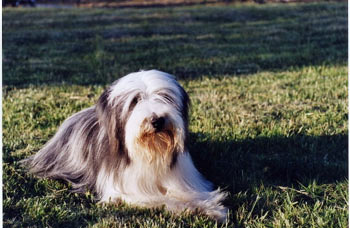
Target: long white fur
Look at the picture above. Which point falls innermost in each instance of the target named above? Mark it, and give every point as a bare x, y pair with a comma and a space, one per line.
146, 180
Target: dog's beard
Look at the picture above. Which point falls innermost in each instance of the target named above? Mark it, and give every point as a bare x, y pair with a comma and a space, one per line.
157, 144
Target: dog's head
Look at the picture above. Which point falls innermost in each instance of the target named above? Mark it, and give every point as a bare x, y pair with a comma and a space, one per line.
147, 113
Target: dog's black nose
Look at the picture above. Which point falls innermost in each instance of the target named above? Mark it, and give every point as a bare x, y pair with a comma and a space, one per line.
158, 122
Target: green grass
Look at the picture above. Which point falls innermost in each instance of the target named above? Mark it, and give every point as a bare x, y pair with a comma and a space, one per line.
269, 120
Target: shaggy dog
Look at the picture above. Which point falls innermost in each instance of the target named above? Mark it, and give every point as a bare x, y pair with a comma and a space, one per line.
131, 146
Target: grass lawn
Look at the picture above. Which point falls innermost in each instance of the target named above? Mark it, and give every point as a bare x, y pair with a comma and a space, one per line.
268, 122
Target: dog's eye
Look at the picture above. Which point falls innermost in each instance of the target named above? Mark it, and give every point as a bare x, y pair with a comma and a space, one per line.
134, 102
166, 98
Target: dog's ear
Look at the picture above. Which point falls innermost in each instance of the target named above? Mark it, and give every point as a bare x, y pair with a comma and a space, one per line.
108, 120
186, 103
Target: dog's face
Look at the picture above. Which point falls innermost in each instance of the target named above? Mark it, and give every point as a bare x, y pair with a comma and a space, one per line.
151, 111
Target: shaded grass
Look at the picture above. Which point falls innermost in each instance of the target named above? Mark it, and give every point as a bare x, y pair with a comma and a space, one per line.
87, 46
275, 137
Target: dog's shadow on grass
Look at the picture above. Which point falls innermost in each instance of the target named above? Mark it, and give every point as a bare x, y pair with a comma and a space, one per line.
238, 166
